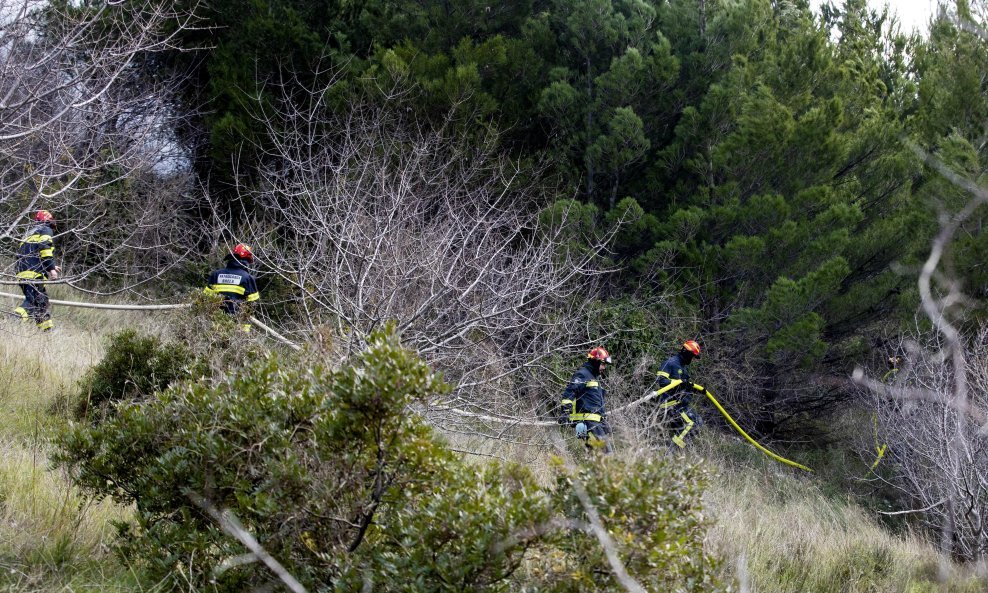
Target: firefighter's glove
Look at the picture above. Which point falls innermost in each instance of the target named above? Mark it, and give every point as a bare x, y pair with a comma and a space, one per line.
565, 409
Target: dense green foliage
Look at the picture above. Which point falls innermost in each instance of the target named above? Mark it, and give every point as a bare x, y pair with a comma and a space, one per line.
334, 476
767, 157
133, 367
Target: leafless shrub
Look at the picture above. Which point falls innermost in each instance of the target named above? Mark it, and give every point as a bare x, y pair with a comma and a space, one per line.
374, 217
939, 450
84, 120
936, 411
936, 419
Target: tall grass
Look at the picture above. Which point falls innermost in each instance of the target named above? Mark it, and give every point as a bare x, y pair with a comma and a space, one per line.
51, 538
784, 534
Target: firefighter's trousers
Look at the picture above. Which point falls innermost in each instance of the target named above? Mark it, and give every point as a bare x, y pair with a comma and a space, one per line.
35, 305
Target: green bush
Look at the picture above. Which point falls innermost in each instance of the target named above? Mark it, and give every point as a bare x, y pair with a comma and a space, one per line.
652, 511
134, 367
214, 337
338, 478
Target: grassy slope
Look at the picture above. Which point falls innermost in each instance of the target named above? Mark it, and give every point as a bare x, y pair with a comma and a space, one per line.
777, 531
785, 531
51, 539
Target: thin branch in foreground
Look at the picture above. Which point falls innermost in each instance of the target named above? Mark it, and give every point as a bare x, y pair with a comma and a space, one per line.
530, 533
231, 526
909, 511
917, 394
596, 525
937, 422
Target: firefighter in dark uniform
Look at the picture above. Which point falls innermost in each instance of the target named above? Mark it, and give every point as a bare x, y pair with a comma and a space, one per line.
36, 262
583, 401
235, 283
677, 402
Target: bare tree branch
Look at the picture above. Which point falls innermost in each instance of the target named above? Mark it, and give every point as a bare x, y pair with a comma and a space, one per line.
606, 542
372, 216
231, 525
85, 132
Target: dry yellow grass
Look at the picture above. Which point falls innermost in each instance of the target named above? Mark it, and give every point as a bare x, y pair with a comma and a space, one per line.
43, 520
51, 538
783, 534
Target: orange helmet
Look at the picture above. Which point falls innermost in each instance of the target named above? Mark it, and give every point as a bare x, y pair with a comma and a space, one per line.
600, 354
242, 251
43, 216
692, 347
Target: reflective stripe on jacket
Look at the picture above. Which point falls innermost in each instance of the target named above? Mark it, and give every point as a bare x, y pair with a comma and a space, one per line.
36, 253
584, 396
673, 368
236, 285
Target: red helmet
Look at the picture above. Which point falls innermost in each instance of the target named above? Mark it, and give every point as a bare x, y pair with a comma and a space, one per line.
692, 347
242, 251
600, 354
43, 216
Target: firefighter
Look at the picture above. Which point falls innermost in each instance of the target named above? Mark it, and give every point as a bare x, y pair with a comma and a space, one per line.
677, 401
235, 283
583, 401
35, 264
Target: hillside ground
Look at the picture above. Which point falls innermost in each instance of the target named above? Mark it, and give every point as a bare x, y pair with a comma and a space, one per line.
775, 530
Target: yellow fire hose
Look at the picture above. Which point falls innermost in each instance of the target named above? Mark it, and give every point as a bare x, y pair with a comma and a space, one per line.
740, 430
880, 448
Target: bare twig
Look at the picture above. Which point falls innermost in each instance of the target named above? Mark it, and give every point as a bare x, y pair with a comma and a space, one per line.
909, 511
85, 132
374, 217
231, 526
596, 525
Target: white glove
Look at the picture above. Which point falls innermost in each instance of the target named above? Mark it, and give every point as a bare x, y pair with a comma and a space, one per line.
53, 275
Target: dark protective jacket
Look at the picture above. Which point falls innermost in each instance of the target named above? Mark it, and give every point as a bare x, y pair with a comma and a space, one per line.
236, 285
583, 397
36, 254
673, 368
679, 399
